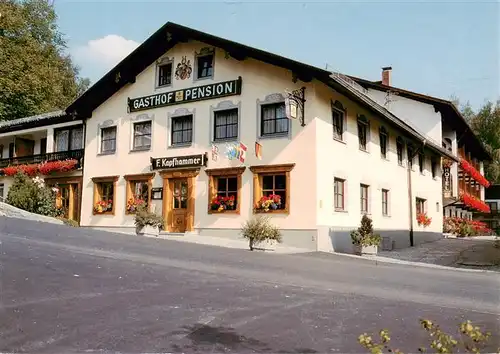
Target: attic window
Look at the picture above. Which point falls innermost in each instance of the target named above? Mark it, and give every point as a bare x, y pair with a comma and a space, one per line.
165, 74
205, 65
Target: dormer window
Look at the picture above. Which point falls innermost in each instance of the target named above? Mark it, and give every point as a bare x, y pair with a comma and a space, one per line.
204, 63
164, 68
165, 74
205, 66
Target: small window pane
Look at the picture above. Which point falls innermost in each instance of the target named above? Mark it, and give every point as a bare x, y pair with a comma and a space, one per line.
221, 184
232, 184
280, 181
267, 182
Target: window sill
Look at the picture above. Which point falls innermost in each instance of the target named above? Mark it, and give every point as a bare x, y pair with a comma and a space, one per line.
401, 165
159, 87
106, 213
385, 159
106, 153
180, 146
140, 149
222, 141
364, 150
341, 211
203, 78
277, 211
237, 212
275, 136
339, 140
386, 215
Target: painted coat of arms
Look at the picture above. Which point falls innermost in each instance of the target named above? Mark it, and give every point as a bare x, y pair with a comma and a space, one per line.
184, 69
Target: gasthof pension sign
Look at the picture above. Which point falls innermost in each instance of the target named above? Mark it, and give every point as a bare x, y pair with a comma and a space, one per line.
191, 94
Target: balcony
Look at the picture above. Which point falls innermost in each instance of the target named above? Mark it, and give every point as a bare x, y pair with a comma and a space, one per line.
36, 159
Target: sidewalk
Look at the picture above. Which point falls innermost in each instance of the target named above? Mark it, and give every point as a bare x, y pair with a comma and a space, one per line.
451, 252
233, 243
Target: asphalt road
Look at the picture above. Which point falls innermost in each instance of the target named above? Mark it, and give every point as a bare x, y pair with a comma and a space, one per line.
66, 290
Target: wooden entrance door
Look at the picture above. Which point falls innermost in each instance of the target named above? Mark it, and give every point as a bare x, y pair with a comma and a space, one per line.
179, 203
68, 199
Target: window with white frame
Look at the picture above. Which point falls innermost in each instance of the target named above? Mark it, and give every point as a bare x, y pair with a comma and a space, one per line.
362, 132
273, 119
420, 205
142, 136
164, 74
421, 161
338, 117
226, 124
385, 202
339, 194
108, 140
383, 137
364, 198
205, 66
182, 130
399, 150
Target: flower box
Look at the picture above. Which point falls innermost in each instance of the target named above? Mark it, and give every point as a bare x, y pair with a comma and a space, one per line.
220, 204
148, 231
365, 250
103, 206
269, 203
423, 219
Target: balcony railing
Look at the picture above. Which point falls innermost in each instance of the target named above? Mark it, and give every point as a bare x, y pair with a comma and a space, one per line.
52, 156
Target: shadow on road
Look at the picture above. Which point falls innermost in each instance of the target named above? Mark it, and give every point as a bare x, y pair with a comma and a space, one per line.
204, 337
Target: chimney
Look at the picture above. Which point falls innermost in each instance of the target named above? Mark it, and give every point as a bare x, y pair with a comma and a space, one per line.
386, 75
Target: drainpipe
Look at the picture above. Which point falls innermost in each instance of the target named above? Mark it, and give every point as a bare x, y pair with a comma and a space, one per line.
410, 192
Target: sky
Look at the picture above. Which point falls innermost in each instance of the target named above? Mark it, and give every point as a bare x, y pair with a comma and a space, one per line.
438, 48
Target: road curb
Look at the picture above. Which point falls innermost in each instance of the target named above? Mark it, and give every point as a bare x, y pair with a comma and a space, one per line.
417, 264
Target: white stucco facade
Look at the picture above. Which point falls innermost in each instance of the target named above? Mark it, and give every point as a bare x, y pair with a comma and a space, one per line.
311, 221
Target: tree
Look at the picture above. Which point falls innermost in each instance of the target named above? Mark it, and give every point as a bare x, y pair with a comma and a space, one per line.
36, 75
486, 125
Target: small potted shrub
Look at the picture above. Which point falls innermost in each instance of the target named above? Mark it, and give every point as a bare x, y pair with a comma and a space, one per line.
363, 239
259, 229
147, 223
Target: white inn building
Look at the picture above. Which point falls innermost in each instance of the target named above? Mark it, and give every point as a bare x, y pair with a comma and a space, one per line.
189, 121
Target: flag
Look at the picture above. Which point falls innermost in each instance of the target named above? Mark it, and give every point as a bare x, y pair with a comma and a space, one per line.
258, 150
242, 152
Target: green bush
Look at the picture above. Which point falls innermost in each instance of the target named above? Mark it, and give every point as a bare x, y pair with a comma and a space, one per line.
259, 229
364, 235
32, 195
144, 217
472, 339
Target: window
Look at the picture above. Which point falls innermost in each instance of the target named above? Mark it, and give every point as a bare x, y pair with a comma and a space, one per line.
108, 140
399, 150
272, 188
68, 138
2, 191
205, 66
433, 167
273, 119
420, 205
226, 124
409, 153
225, 189
385, 202
338, 114
421, 161
165, 74
339, 194
493, 207
1, 151
142, 136
138, 191
104, 195
11, 150
383, 142
43, 146
362, 132
364, 198
182, 130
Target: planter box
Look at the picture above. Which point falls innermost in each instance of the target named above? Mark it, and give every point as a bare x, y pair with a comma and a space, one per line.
361, 250
148, 231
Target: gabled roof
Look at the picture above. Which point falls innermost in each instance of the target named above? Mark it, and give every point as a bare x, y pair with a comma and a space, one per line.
39, 120
450, 113
171, 34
